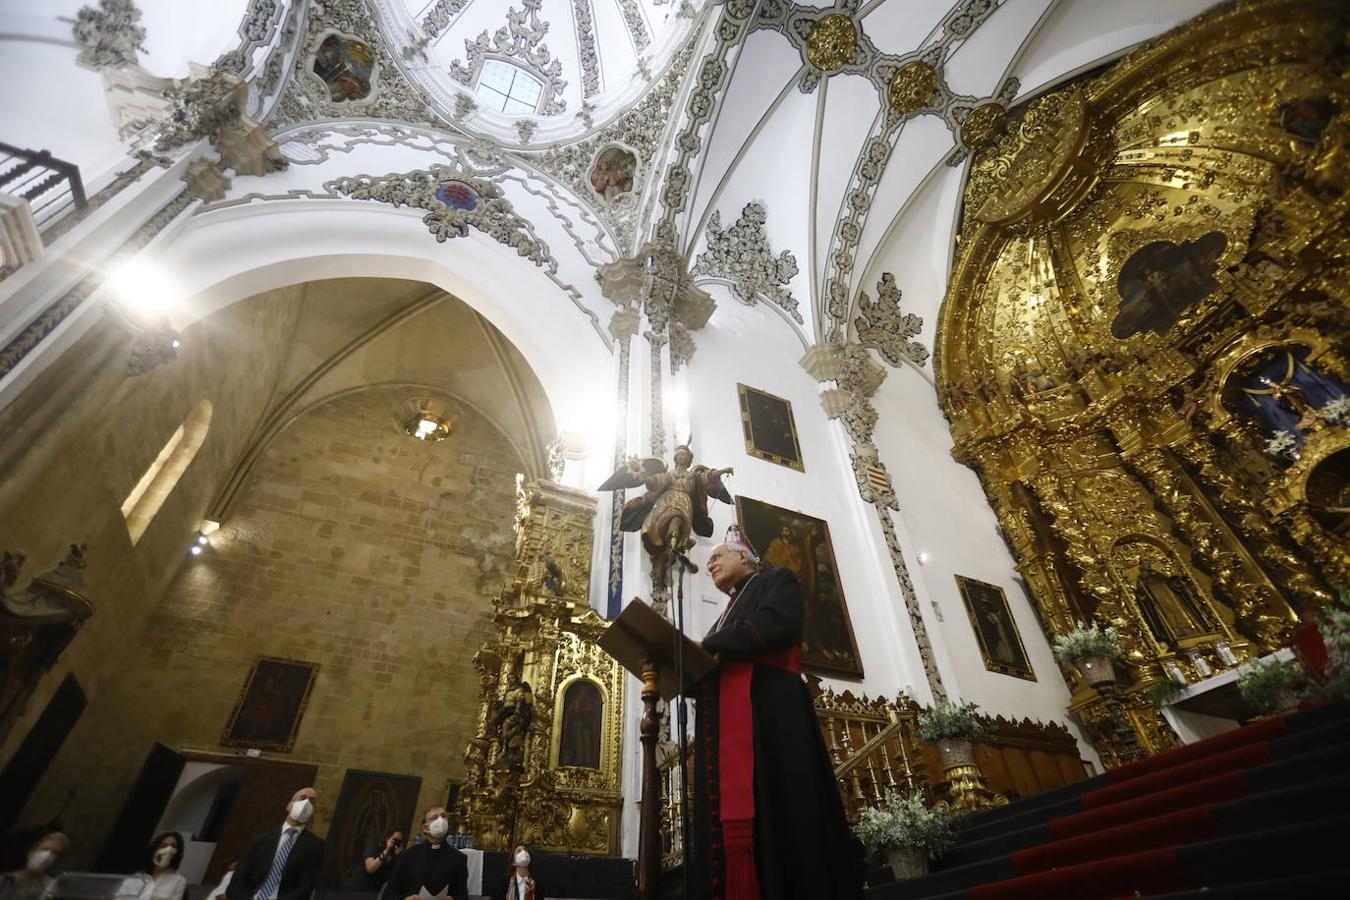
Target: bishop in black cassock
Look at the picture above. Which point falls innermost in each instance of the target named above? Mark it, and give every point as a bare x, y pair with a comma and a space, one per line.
768, 820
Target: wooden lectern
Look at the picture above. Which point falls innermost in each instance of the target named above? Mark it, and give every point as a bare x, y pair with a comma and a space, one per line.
644, 643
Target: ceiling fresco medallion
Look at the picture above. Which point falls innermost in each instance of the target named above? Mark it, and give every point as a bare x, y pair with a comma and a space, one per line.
831, 42
346, 65
458, 194
983, 125
912, 87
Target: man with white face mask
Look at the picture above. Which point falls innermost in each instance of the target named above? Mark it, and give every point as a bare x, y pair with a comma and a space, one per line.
432, 868
284, 863
34, 880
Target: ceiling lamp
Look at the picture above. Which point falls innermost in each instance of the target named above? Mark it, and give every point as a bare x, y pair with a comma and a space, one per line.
427, 426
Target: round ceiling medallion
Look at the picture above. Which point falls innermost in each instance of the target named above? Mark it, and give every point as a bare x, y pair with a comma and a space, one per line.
831, 42
983, 125
912, 87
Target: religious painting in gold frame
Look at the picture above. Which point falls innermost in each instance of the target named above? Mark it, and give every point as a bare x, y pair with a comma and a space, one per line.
770, 431
267, 714
995, 631
801, 544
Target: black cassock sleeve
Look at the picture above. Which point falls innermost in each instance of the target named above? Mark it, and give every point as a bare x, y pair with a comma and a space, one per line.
774, 622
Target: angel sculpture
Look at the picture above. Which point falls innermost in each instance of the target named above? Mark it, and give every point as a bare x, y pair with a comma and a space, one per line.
675, 504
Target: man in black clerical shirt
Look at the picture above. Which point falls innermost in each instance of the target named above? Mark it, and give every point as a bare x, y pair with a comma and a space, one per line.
433, 865
768, 819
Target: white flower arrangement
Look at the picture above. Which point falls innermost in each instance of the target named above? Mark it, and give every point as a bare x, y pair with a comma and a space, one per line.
904, 822
1283, 444
1091, 641
1337, 412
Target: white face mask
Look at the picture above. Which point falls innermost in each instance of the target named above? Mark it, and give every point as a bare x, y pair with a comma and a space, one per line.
301, 810
438, 827
40, 860
522, 859
164, 856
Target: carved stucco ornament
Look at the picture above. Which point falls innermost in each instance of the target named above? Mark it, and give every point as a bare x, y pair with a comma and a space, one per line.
831, 42
455, 202
913, 87
882, 327
742, 254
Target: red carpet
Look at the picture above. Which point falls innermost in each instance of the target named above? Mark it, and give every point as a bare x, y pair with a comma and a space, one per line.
1224, 818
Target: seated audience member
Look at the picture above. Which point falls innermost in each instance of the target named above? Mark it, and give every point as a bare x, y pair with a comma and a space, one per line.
161, 864
520, 883
432, 866
34, 879
220, 889
376, 864
281, 863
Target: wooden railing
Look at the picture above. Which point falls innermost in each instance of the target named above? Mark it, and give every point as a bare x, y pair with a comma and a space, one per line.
872, 747
51, 186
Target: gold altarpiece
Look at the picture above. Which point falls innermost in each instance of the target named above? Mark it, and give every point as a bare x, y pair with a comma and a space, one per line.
523, 784
1144, 342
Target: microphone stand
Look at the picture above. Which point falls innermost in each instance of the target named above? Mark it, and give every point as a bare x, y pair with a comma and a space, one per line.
681, 715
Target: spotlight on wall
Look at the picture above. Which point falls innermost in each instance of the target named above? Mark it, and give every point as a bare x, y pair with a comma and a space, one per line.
196, 550
427, 427
201, 540
923, 557
142, 290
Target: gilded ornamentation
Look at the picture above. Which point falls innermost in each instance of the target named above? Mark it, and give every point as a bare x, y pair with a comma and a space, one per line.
912, 87
983, 125
831, 42
1144, 297
544, 769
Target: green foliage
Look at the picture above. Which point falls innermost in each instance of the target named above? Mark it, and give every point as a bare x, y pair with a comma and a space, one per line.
950, 720
1335, 628
1267, 685
1164, 691
1091, 641
904, 822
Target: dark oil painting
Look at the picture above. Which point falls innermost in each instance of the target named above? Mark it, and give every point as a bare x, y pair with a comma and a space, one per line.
1162, 280
369, 806
801, 543
1000, 642
583, 724
267, 714
346, 66
770, 431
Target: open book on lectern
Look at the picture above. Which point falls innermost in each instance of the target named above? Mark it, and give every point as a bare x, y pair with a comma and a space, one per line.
641, 633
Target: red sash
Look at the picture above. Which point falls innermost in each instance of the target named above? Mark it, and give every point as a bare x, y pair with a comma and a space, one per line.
736, 766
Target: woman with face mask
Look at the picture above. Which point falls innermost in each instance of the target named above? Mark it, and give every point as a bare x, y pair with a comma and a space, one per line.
161, 865
520, 883
34, 880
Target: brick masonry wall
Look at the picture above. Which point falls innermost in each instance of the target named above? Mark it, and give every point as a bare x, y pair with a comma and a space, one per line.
353, 546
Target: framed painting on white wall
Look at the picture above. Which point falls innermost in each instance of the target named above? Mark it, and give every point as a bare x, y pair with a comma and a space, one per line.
1000, 642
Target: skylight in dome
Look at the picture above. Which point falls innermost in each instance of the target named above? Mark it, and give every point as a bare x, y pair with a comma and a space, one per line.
507, 88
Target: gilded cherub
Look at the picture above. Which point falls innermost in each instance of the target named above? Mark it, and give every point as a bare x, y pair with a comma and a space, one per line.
675, 504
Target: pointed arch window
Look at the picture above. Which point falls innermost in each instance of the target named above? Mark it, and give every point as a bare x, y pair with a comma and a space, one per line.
146, 498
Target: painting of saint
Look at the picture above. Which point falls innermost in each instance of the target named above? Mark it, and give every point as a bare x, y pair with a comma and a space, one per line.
346, 66
770, 431
458, 194
1162, 280
267, 715
801, 544
582, 726
370, 805
997, 634
613, 172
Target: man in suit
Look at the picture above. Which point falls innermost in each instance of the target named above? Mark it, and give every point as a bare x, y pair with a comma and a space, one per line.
433, 865
282, 863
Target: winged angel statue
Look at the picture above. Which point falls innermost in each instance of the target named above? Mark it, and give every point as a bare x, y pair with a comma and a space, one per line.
675, 504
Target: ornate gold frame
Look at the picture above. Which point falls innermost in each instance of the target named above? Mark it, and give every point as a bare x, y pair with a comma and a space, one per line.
993, 665
289, 743
747, 429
